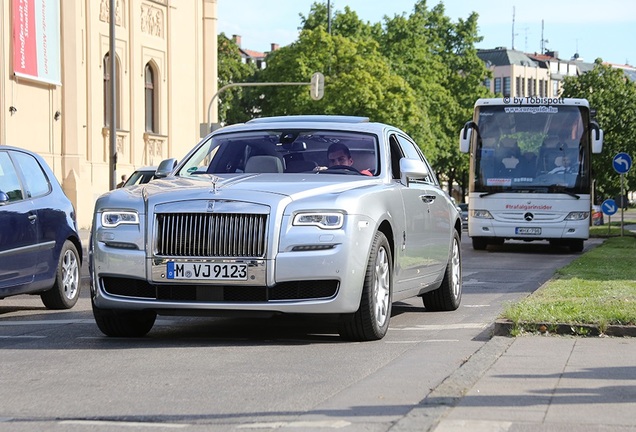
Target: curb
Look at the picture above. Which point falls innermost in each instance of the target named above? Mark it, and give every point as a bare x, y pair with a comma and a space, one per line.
505, 327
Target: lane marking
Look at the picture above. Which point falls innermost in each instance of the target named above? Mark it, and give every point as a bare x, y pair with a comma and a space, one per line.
22, 337
431, 327
331, 424
47, 322
123, 424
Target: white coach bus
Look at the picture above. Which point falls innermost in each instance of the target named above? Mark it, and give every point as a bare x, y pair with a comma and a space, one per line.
530, 170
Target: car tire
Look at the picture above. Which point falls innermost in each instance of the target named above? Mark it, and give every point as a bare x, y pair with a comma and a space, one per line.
449, 295
480, 243
124, 323
66, 288
371, 321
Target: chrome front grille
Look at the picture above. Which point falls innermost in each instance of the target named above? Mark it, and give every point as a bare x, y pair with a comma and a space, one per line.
210, 235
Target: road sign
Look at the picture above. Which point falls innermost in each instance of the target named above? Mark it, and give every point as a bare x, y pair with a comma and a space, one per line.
317, 89
622, 163
609, 207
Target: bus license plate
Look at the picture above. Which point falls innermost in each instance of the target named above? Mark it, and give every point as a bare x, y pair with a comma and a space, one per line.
528, 231
206, 271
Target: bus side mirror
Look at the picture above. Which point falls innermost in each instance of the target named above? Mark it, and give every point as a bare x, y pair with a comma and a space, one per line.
464, 136
597, 138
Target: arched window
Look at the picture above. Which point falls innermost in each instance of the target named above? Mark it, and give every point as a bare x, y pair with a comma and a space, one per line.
150, 94
107, 94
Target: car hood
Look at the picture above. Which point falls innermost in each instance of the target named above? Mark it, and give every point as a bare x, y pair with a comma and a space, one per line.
259, 188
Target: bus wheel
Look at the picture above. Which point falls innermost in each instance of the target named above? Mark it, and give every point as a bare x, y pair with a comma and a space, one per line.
480, 243
576, 245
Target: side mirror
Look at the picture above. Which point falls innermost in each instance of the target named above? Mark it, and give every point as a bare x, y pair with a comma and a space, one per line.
412, 168
165, 168
465, 135
4, 198
597, 138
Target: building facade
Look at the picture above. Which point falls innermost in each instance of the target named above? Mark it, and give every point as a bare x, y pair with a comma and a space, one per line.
517, 74
165, 75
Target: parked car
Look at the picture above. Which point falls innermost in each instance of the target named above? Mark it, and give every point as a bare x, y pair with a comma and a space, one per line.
40, 248
259, 218
141, 175
464, 212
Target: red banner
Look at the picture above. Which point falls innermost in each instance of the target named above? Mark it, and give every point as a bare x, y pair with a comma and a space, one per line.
36, 39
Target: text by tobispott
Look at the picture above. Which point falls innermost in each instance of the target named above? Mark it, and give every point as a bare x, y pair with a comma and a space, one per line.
533, 100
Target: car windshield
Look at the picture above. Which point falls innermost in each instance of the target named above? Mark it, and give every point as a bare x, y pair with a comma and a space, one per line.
140, 177
283, 151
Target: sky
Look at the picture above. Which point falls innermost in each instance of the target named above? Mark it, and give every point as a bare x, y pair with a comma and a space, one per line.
591, 28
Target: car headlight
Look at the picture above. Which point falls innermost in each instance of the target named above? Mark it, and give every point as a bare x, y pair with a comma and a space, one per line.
324, 220
575, 216
113, 218
481, 214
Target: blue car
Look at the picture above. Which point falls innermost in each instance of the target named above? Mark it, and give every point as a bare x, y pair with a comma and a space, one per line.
40, 248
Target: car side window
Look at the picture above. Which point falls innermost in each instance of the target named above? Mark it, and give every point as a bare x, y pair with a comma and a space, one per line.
9, 181
36, 181
412, 151
396, 155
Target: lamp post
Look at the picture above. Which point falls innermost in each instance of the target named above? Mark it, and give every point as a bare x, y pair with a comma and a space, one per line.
112, 160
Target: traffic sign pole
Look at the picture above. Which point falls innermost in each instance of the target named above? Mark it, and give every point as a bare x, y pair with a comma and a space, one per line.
622, 163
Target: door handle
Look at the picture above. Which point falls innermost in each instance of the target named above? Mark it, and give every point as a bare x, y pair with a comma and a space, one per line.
32, 218
427, 198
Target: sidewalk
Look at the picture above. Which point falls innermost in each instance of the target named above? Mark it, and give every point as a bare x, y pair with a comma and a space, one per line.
549, 383
535, 383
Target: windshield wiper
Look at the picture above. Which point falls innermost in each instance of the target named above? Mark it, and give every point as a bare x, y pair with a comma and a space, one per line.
555, 188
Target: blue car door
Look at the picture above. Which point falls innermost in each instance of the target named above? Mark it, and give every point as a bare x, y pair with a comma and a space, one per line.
18, 231
49, 216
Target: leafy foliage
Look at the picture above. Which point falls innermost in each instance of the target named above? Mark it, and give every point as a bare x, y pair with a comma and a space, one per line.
613, 95
418, 72
231, 69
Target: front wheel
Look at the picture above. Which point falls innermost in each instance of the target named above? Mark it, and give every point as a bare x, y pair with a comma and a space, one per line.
448, 296
66, 288
371, 321
124, 323
576, 245
480, 243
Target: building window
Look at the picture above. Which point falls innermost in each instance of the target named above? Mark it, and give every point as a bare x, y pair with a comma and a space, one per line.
150, 96
487, 83
518, 88
555, 88
107, 93
532, 87
506, 83
497, 85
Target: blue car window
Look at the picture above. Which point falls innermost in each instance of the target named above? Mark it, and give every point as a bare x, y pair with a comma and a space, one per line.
9, 182
36, 182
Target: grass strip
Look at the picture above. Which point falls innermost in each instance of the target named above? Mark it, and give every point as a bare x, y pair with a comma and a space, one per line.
598, 288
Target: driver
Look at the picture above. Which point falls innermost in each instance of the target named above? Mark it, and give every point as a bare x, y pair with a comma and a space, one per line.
338, 154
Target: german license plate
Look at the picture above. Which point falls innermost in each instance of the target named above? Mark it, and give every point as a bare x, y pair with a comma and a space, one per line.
206, 271
528, 231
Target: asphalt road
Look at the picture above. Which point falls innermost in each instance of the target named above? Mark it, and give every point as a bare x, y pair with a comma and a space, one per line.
60, 373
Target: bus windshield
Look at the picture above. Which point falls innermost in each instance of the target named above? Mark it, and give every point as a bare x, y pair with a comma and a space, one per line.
531, 149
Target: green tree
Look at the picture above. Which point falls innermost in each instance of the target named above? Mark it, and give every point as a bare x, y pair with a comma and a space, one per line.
358, 80
439, 60
231, 69
613, 95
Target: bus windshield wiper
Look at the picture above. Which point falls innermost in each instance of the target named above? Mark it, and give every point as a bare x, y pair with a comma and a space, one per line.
555, 188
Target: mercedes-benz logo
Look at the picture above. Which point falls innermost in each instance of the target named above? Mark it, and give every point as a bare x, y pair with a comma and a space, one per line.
528, 216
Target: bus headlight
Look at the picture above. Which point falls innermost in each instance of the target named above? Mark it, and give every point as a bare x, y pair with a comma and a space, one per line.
577, 216
481, 214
